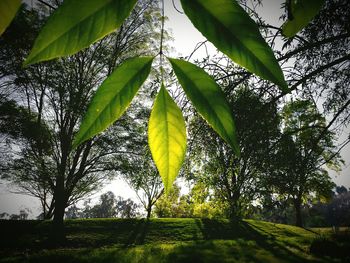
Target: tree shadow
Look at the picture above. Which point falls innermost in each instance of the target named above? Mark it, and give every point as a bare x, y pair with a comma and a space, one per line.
138, 234
207, 232
244, 233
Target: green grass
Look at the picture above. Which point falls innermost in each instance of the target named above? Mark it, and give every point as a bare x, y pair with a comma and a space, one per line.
159, 240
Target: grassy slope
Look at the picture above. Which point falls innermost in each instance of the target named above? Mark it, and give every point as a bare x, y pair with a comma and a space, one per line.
161, 240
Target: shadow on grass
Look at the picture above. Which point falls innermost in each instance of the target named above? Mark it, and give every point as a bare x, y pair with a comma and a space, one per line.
161, 240
216, 251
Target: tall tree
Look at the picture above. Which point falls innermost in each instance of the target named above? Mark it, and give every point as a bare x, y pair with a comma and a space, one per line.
142, 176
234, 179
300, 155
58, 93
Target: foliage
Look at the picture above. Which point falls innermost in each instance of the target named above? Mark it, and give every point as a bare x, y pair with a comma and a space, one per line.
105, 208
334, 213
246, 47
304, 147
171, 205
19, 123
204, 204
335, 246
198, 203
23, 215
109, 206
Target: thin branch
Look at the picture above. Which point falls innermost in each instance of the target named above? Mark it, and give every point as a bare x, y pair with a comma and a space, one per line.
47, 4
312, 74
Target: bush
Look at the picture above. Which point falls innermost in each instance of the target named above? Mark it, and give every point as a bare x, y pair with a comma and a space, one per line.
332, 247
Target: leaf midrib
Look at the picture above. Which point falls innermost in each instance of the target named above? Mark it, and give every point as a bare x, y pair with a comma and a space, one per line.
167, 134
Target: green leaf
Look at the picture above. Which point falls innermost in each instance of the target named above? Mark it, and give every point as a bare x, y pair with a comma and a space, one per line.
208, 99
8, 10
167, 137
233, 32
301, 12
113, 97
76, 24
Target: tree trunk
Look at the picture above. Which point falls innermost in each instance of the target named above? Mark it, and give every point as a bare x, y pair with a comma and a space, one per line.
48, 216
57, 232
298, 217
149, 210
50, 212
234, 212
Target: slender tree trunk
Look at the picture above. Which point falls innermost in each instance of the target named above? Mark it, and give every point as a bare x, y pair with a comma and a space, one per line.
48, 216
149, 210
50, 212
298, 216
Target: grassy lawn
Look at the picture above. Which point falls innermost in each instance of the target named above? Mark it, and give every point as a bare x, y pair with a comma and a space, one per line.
161, 240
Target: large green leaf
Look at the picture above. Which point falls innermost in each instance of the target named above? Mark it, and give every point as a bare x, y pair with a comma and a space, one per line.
233, 32
76, 24
8, 10
301, 12
208, 99
113, 97
167, 137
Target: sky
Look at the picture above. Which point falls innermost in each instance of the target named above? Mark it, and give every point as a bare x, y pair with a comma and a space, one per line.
186, 38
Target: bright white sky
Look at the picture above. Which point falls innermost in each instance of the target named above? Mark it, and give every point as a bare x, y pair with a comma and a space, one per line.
185, 39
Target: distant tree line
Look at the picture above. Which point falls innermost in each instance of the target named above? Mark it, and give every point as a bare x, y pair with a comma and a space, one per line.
23, 215
109, 206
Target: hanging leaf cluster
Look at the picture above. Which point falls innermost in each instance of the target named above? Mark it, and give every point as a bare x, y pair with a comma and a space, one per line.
77, 24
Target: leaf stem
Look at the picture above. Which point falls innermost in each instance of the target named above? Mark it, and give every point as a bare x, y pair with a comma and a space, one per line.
161, 55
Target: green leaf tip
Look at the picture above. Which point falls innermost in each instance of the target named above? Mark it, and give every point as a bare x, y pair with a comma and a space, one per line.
208, 99
113, 97
77, 24
8, 10
302, 12
233, 32
167, 137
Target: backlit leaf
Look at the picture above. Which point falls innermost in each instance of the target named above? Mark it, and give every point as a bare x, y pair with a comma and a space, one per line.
301, 13
233, 32
113, 97
167, 137
208, 99
8, 10
76, 24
